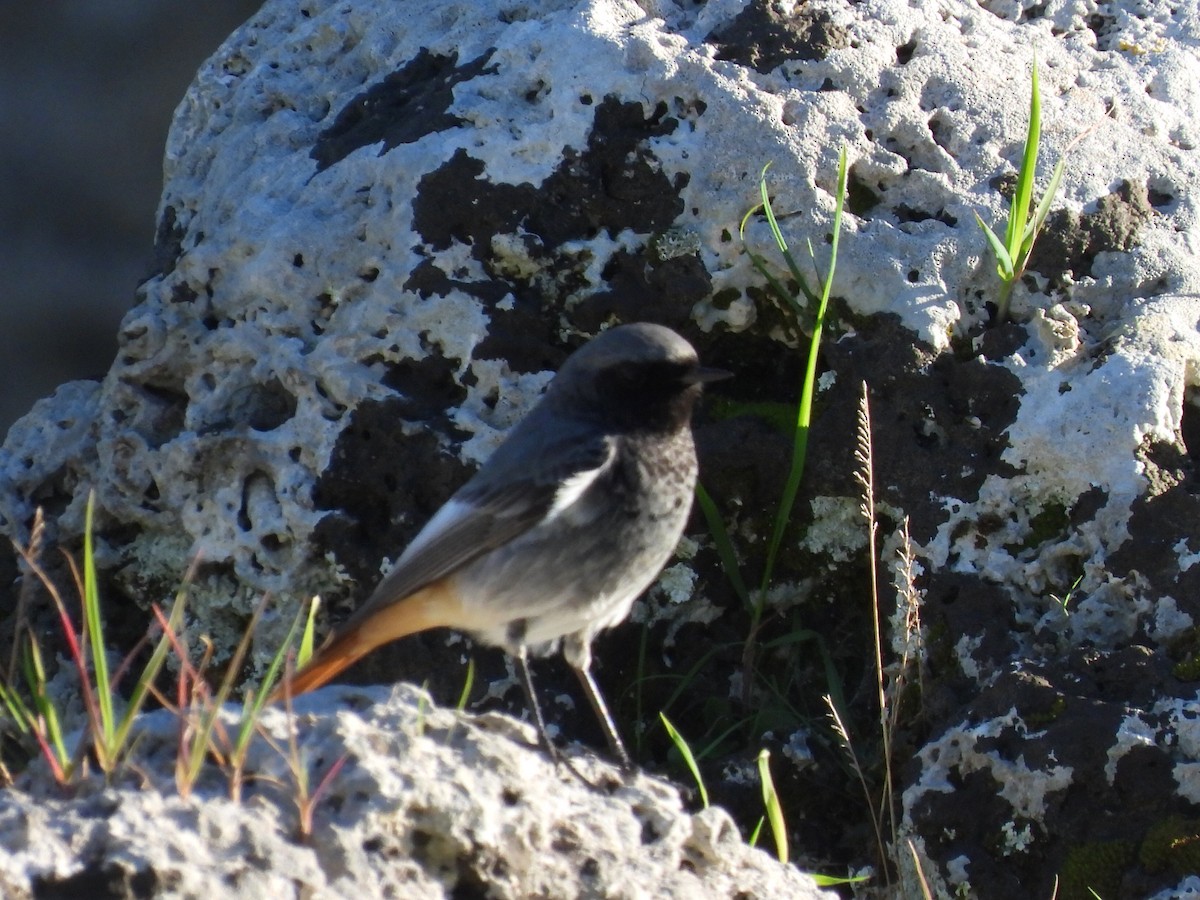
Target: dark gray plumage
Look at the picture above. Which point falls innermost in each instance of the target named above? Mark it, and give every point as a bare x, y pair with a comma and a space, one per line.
567, 523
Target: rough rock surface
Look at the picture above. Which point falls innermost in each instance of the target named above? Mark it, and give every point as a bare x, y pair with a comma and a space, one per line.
428, 803
383, 225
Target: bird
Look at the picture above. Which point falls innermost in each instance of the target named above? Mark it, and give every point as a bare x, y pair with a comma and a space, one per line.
564, 526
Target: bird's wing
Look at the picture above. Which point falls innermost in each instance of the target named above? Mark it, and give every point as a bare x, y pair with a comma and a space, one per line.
500, 503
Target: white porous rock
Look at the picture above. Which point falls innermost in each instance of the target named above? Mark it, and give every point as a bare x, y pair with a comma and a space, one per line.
292, 236
427, 803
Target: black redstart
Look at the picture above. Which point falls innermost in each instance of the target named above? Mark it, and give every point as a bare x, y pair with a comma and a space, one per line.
563, 527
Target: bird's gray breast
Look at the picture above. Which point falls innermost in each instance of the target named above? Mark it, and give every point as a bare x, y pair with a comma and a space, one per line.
580, 569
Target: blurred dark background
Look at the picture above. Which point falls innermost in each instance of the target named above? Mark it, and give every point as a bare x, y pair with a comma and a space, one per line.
87, 91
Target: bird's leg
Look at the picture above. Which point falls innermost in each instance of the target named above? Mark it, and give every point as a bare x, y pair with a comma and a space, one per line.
577, 650
531, 698
584, 672
543, 736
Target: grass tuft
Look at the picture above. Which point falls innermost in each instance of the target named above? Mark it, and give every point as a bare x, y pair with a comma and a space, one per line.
107, 735
1024, 220
305, 797
819, 302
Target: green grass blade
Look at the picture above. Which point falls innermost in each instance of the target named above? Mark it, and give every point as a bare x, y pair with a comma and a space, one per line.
760, 264
780, 242
95, 640
722, 542
778, 288
1004, 262
754, 835
239, 654
465, 695
277, 661
774, 809
765, 206
304, 654
752, 210
42, 720
837, 880
202, 738
807, 392
686, 752
843, 174
1023, 197
195, 730
149, 675
50, 736
1042, 211
252, 709
21, 715
423, 701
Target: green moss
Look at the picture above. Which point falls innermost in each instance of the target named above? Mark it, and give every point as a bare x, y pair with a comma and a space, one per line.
1049, 524
940, 647
1098, 867
1173, 845
1045, 717
1188, 668
1184, 650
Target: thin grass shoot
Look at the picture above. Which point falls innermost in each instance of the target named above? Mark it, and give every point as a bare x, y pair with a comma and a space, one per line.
773, 806
689, 758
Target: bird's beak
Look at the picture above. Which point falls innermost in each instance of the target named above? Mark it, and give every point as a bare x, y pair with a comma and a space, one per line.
705, 375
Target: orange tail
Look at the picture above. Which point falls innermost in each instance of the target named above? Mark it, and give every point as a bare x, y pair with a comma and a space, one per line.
430, 607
